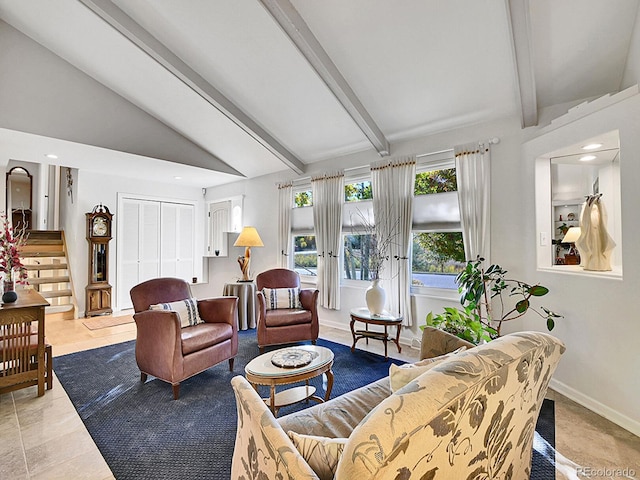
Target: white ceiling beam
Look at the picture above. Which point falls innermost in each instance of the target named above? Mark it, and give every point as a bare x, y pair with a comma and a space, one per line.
519, 21
297, 30
124, 24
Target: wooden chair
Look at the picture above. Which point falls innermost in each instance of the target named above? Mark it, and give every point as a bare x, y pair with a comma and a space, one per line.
20, 348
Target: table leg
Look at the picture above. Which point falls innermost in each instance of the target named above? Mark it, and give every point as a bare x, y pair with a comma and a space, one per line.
272, 400
384, 340
329, 385
353, 334
398, 339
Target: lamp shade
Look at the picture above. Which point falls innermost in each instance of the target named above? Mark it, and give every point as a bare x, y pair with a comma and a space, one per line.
248, 238
572, 235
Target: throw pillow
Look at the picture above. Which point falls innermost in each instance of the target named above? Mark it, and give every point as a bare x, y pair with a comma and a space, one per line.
282, 298
400, 375
186, 309
321, 453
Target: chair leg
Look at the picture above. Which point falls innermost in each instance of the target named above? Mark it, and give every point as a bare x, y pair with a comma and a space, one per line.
176, 391
231, 360
143, 377
48, 362
261, 350
313, 342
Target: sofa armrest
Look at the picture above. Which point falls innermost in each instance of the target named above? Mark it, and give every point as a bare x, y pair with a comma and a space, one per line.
158, 344
262, 448
436, 342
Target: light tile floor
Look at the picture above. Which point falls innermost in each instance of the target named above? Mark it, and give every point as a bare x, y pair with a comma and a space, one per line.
44, 438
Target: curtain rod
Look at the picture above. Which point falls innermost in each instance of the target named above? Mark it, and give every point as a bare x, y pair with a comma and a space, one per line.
490, 141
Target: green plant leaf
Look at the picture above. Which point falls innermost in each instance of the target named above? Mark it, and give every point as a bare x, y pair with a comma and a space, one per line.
538, 290
522, 306
550, 324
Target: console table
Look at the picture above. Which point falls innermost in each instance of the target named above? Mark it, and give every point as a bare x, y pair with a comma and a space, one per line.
365, 316
20, 343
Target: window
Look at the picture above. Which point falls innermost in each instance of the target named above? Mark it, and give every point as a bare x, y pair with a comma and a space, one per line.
437, 253
356, 256
436, 259
303, 199
305, 255
436, 181
355, 192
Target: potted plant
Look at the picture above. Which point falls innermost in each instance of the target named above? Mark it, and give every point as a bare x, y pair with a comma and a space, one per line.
481, 290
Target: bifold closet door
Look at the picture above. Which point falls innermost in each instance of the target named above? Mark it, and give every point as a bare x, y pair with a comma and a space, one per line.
177, 244
139, 243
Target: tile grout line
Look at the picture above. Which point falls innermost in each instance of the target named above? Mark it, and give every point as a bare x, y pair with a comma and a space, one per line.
24, 452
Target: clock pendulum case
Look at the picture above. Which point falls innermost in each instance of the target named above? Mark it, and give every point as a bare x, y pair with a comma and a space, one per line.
98, 291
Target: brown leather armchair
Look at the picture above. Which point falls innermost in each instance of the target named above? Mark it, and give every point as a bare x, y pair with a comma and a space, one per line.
171, 353
286, 325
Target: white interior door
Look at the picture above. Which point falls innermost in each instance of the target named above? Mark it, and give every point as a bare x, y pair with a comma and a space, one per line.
138, 246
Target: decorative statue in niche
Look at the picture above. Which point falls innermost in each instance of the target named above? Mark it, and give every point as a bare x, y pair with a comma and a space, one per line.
595, 244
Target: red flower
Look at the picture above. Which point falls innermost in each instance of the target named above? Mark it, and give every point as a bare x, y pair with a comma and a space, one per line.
10, 245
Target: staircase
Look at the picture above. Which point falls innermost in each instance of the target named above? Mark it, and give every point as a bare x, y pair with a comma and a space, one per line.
45, 257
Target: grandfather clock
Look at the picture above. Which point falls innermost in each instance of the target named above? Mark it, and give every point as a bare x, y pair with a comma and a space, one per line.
98, 291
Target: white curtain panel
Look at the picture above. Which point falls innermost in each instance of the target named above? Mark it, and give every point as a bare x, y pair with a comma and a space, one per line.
328, 198
473, 163
285, 204
393, 183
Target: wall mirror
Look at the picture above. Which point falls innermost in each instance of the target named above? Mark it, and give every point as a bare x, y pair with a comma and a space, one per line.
573, 175
19, 197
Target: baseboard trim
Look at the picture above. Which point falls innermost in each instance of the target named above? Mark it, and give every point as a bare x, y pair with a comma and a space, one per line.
595, 406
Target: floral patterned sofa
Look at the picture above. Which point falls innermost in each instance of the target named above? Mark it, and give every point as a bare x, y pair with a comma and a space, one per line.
471, 416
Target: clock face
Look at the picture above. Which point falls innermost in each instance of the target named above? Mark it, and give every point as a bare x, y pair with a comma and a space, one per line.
100, 228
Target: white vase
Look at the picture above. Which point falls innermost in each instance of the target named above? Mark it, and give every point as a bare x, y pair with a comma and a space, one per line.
376, 297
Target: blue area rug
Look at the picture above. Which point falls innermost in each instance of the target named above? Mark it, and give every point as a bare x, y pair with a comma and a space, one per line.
144, 434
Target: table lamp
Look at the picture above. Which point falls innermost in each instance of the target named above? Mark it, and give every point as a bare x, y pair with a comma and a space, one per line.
571, 237
248, 238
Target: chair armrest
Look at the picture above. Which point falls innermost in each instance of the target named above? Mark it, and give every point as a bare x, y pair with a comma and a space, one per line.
222, 310
158, 343
219, 310
309, 299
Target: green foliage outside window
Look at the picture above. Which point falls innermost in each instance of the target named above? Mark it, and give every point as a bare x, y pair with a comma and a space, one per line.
436, 181
303, 199
358, 191
438, 252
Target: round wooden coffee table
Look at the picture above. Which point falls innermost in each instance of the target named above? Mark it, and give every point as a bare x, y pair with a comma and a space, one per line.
261, 371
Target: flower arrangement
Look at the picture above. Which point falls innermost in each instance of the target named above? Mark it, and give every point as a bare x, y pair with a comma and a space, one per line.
10, 245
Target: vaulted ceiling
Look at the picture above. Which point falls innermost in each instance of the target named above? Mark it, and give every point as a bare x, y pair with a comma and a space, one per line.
260, 86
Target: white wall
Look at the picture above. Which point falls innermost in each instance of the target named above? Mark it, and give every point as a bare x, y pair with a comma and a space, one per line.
91, 189
601, 364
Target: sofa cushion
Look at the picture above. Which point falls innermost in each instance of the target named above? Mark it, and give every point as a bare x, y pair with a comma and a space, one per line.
339, 416
204, 335
400, 375
321, 453
287, 317
276, 298
186, 309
